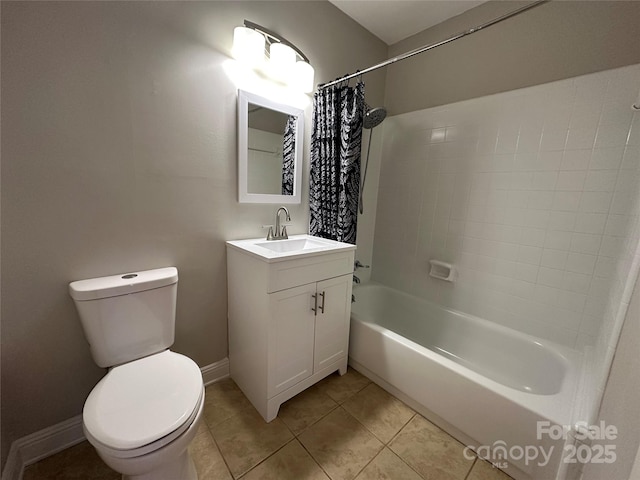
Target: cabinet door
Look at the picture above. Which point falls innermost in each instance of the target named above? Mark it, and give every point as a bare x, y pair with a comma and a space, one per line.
332, 324
290, 337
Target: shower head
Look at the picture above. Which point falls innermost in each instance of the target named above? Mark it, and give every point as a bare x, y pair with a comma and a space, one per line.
374, 117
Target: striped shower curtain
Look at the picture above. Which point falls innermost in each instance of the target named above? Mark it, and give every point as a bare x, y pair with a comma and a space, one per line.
336, 140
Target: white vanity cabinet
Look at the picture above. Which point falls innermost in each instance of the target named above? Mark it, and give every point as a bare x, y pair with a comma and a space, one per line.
288, 320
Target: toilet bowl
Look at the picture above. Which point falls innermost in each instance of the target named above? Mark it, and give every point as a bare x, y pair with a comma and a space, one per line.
142, 415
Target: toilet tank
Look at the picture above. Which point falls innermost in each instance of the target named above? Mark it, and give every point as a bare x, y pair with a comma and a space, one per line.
127, 316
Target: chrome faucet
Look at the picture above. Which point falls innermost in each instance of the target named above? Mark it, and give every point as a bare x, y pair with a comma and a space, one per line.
279, 234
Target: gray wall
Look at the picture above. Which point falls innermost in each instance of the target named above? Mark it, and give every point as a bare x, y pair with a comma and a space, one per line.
119, 154
556, 40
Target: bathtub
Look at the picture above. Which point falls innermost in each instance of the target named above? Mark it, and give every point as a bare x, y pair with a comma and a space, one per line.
486, 384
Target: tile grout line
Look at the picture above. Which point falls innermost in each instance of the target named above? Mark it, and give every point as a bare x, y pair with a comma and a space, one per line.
294, 438
354, 393
337, 406
387, 444
272, 453
402, 428
384, 444
403, 461
209, 428
215, 442
374, 457
466, 477
372, 433
296, 435
314, 459
267, 457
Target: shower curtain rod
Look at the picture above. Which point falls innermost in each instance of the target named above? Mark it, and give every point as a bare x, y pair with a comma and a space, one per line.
432, 46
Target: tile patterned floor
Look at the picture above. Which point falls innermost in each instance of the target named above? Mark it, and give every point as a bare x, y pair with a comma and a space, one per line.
343, 428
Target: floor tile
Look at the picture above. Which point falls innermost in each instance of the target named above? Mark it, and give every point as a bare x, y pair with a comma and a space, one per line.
291, 462
203, 428
387, 466
341, 388
432, 453
207, 458
223, 400
340, 444
75, 463
485, 471
305, 409
246, 439
382, 414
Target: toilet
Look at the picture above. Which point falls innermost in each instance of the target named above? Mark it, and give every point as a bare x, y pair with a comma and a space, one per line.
143, 414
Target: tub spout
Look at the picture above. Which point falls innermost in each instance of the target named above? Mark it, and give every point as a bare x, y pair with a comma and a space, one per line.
356, 279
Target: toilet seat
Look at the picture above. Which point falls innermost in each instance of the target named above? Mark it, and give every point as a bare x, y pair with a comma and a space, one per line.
146, 449
143, 405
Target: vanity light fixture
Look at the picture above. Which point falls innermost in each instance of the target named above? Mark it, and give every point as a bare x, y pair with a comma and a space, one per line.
286, 63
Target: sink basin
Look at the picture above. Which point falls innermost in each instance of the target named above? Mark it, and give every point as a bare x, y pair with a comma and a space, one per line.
291, 245
294, 247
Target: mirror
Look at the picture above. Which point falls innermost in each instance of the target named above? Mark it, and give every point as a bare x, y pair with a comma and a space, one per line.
270, 137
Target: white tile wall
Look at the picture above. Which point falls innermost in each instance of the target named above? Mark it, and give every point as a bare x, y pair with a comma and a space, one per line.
531, 194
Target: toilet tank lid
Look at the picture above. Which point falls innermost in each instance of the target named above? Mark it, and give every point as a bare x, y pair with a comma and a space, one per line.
122, 284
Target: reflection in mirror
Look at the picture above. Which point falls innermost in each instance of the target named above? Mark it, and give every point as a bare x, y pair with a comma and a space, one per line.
269, 150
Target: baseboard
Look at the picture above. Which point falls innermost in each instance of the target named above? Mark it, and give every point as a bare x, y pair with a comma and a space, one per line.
32, 448
215, 372
51, 440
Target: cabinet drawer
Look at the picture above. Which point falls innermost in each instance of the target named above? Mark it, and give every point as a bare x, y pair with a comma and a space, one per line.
307, 270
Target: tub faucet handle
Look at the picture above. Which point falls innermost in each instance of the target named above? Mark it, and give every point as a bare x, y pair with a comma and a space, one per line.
358, 264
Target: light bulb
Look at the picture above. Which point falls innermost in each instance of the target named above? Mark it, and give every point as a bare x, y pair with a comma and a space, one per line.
282, 60
302, 78
248, 46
